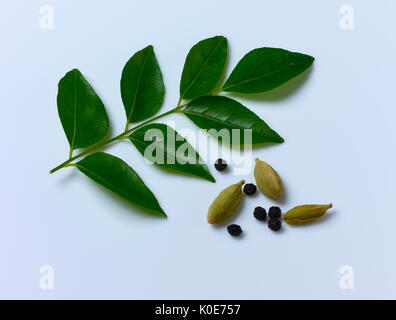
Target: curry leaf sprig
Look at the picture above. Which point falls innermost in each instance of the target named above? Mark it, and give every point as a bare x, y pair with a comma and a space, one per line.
85, 121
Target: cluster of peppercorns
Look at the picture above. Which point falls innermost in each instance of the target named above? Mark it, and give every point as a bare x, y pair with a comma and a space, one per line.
274, 213
274, 222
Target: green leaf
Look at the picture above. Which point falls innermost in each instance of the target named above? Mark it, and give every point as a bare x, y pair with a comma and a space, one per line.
264, 69
203, 68
219, 112
142, 86
117, 176
80, 110
164, 147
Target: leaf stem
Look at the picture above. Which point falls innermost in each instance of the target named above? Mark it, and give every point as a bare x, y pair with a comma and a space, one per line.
179, 102
116, 138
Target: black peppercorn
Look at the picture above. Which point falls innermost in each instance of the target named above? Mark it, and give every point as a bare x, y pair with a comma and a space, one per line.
234, 230
274, 224
220, 165
249, 189
260, 213
274, 212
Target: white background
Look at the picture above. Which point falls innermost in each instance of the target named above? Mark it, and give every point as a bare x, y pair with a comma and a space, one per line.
338, 124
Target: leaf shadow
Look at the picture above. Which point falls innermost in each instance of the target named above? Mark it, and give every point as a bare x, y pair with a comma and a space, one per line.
285, 91
71, 174
239, 147
125, 204
221, 81
265, 145
181, 173
171, 170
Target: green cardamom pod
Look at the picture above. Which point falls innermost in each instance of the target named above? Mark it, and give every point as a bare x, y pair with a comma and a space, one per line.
306, 213
226, 203
268, 180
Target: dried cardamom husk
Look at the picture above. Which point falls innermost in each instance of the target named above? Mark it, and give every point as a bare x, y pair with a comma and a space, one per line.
226, 203
268, 180
306, 213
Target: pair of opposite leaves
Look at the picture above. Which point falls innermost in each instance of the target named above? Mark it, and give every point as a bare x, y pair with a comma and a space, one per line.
85, 121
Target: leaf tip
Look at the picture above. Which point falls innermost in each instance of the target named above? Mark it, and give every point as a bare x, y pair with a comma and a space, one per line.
75, 70
310, 59
211, 179
277, 138
162, 214
158, 211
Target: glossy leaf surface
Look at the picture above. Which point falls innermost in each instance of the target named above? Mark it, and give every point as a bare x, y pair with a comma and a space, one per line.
163, 146
203, 68
218, 112
81, 111
114, 174
264, 69
142, 86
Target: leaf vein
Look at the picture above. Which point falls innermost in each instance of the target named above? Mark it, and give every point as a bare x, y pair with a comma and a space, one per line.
74, 114
137, 89
256, 78
230, 124
102, 179
202, 68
